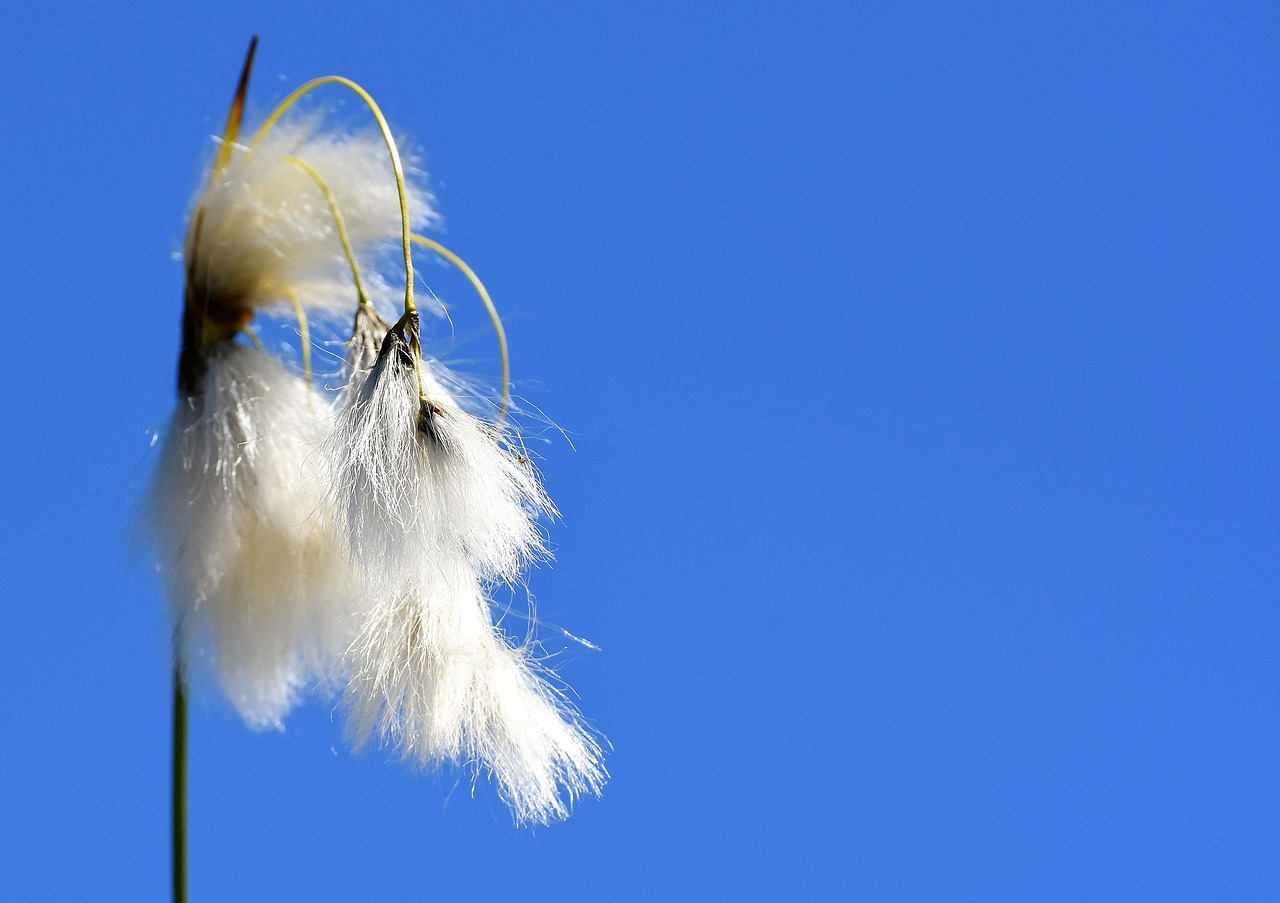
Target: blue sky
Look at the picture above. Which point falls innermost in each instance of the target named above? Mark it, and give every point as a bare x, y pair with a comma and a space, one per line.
920, 369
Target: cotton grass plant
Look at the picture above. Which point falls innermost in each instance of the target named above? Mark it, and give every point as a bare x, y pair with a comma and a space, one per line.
345, 541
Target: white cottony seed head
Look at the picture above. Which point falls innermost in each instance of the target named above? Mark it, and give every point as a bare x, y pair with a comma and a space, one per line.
347, 540
435, 508
431, 674
264, 226
256, 579
417, 480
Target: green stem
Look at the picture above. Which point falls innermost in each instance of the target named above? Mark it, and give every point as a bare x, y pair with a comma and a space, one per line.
179, 788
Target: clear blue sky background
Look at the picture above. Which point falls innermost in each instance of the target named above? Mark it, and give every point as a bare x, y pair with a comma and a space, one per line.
921, 364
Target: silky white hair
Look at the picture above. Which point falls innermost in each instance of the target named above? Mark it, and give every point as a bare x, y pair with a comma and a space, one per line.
348, 541
435, 507
255, 575
432, 675
414, 481
264, 226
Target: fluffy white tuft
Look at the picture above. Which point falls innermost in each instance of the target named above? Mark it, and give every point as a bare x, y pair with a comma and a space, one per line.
435, 508
414, 483
263, 226
370, 573
433, 675
254, 575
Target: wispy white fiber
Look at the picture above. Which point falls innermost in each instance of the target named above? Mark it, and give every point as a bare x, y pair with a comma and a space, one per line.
413, 482
368, 331
348, 540
256, 579
435, 508
264, 226
434, 676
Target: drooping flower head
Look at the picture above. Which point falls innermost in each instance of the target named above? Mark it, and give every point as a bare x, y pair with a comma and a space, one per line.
348, 541
437, 507
257, 582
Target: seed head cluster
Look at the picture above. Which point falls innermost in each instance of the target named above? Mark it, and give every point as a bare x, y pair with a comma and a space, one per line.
346, 541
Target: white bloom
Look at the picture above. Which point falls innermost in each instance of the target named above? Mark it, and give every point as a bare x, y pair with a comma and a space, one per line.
414, 480
431, 673
435, 508
349, 541
263, 227
256, 580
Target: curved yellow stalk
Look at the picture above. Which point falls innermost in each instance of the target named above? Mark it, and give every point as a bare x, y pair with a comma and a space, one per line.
341, 224
409, 306
493, 314
304, 332
253, 337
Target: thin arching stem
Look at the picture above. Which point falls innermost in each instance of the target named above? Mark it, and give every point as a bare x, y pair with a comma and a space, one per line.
489, 305
304, 332
340, 223
179, 789
409, 306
